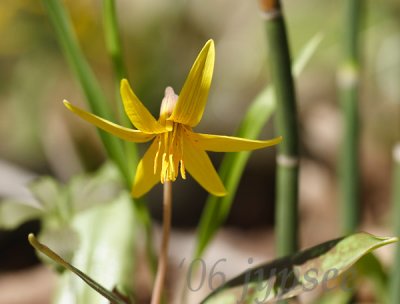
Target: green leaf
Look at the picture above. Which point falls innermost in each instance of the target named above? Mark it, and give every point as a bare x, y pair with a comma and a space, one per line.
292, 275
233, 164
107, 234
14, 213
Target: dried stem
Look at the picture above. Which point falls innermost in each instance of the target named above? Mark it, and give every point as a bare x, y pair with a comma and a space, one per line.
163, 257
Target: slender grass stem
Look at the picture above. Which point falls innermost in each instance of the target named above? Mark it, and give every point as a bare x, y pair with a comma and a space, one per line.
395, 276
86, 79
348, 79
125, 159
114, 49
286, 125
163, 257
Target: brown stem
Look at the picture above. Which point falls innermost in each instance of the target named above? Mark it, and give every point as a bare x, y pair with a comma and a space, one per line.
163, 257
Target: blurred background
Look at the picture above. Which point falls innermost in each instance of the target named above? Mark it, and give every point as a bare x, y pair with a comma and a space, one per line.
161, 40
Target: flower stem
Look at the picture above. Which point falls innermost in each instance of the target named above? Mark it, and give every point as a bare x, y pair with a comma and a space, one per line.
286, 125
395, 276
163, 257
348, 78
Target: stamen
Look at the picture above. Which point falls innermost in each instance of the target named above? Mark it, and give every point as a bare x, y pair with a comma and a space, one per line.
157, 154
183, 172
164, 168
171, 171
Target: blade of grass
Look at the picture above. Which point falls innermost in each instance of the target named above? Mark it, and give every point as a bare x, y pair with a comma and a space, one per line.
59, 260
395, 275
96, 98
86, 79
348, 78
114, 49
217, 208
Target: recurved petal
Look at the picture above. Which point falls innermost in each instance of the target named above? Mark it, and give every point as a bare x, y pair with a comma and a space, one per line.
193, 96
146, 178
220, 143
198, 164
138, 114
110, 127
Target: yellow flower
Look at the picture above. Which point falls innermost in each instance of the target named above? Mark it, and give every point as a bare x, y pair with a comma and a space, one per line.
175, 148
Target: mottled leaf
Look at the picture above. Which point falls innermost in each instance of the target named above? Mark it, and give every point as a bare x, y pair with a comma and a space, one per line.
290, 276
107, 234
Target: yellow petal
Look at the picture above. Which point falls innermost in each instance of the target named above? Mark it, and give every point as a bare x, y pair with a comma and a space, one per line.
108, 126
146, 178
220, 143
198, 164
140, 117
193, 97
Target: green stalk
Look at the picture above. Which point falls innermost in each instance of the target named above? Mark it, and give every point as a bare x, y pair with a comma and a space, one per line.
232, 166
395, 275
87, 80
286, 125
114, 48
95, 96
348, 77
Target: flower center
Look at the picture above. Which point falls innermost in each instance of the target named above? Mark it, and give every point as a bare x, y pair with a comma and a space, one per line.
169, 155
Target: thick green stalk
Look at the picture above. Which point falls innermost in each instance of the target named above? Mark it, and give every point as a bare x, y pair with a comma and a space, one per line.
348, 78
86, 78
286, 125
231, 169
395, 276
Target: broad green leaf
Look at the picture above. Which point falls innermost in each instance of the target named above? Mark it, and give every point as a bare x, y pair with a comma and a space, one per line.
88, 190
107, 234
292, 275
14, 213
233, 164
367, 268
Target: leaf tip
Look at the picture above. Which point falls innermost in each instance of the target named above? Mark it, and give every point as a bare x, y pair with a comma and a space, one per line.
32, 239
